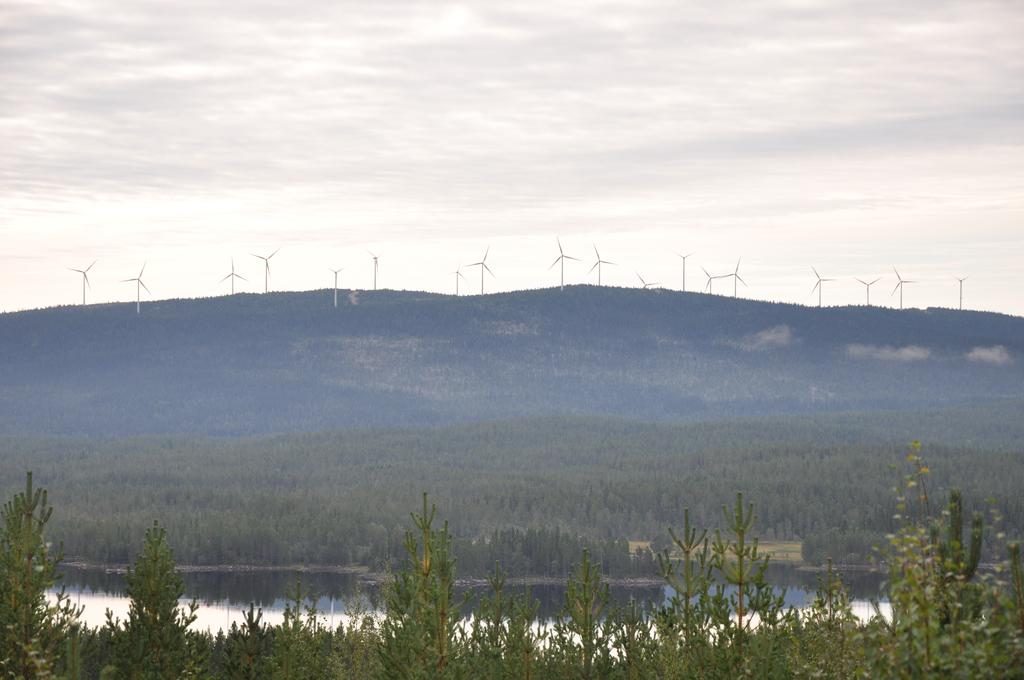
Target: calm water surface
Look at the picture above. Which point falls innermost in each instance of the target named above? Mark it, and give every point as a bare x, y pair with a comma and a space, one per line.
224, 596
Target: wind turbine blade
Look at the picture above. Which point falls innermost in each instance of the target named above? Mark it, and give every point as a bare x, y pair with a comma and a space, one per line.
570, 257
737, 266
816, 273
706, 272
597, 253
557, 260
559, 245
487, 268
608, 262
87, 283
594, 267
90, 266
239, 276
258, 256
740, 279
225, 278
815, 286
641, 278
897, 274
143, 269
864, 282
486, 253
874, 282
144, 286
127, 280
273, 253
896, 288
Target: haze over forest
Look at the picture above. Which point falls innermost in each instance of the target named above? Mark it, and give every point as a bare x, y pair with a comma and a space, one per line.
288, 362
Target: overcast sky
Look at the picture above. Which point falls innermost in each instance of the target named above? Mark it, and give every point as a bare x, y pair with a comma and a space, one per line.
848, 136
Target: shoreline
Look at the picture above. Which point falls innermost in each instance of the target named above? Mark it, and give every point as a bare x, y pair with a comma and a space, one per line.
365, 575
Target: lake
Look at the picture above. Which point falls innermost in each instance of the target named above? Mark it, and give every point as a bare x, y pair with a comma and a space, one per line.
224, 596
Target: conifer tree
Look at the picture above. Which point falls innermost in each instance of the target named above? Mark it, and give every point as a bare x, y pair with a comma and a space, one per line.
34, 634
579, 635
154, 641
247, 647
419, 629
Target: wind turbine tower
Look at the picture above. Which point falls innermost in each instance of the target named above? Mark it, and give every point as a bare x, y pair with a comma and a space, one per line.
899, 286
818, 286
683, 258
736, 278
867, 286
266, 269
959, 279
597, 265
85, 279
139, 285
483, 265
708, 288
336, 272
375, 263
562, 257
458, 275
233, 276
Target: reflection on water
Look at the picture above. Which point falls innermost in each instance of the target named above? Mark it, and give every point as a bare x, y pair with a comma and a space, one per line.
223, 596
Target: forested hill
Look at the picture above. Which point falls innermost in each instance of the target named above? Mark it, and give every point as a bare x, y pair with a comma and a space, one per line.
291, 362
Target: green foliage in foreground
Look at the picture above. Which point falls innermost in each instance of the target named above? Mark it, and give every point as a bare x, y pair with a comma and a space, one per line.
724, 621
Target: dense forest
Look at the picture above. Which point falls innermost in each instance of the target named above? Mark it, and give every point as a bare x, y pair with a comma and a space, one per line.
724, 620
291, 362
531, 494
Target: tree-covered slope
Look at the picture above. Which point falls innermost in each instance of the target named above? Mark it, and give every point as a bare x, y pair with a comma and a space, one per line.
291, 362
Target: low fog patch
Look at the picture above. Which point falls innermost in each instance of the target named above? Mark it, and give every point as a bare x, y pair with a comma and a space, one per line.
996, 355
887, 353
770, 338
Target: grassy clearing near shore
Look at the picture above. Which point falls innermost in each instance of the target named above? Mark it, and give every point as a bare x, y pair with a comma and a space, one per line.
786, 552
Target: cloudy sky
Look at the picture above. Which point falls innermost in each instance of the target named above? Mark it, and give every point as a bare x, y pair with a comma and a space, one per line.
848, 136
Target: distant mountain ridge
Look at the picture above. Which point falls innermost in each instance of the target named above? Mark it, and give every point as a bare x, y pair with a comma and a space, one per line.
249, 364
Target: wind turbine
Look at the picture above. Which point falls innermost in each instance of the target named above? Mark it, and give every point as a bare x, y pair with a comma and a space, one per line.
708, 288
374, 269
867, 285
683, 258
735, 277
483, 265
85, 278
458, 275
899, 286
644, 284
562, 257
597, 265
139, 285
336, 272
233, 276
818, 287
266, 269
959, 280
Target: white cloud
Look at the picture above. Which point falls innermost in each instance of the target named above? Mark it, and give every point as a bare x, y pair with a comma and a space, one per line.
886, 353
996, 354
